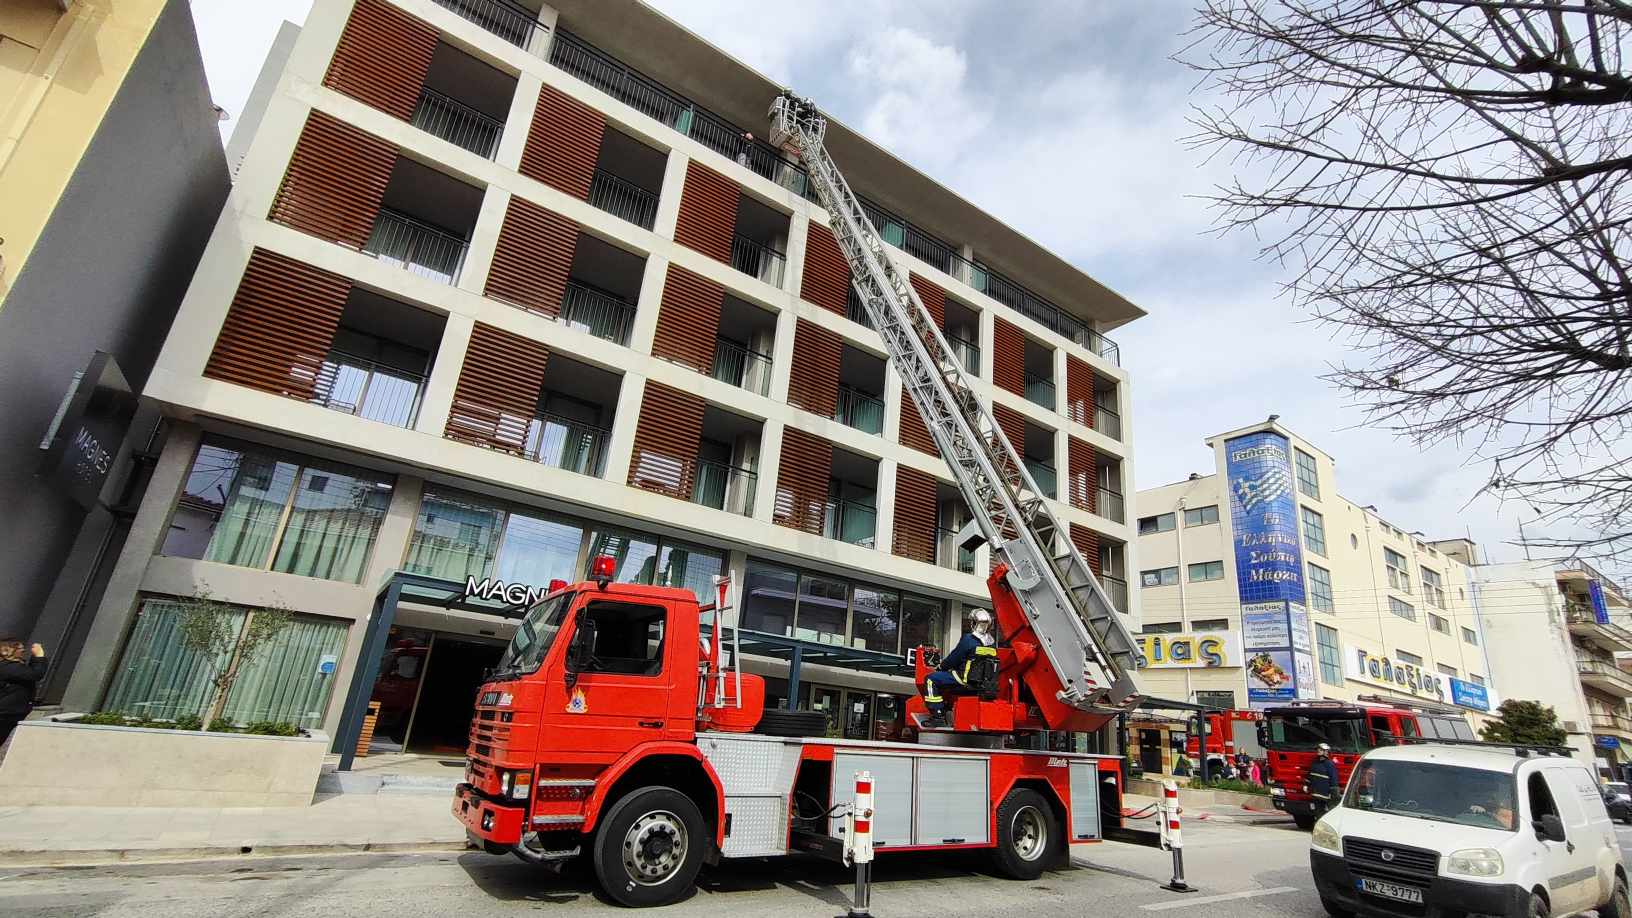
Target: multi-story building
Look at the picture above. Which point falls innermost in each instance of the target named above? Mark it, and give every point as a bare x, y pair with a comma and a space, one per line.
111, 176
1260, 583
1556, 630
500, 289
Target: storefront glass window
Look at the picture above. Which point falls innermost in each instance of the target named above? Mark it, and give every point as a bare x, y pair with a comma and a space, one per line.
768, 598
538, 549
332, 525
876, 621
823, 606
635, 555
454, 538
923, 622
681, 565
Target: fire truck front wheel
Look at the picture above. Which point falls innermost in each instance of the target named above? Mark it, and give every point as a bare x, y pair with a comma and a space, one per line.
649, 847
1026, 835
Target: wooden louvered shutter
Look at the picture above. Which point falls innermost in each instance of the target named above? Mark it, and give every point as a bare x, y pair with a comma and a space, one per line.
1013, 424
666, 439
496, 397
336, 179
934, 300
564, 143
813, 383
801, 481
382, 58
688, 319
1008, 357
1083, 481
827, 275
1087, 542
914, 432
1079, 391
708, 212
915, 515
279, 327
532, 258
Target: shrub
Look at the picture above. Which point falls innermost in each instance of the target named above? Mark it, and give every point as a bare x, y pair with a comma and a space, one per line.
1235, 785
222, 725
104, 719
271, 728
189, 722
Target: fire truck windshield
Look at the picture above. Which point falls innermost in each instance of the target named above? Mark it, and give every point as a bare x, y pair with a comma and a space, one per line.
1293, 732
534, 636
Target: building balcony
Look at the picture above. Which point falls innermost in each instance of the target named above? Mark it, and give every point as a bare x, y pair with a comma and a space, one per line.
418, 247
1110, 505
1606, 677
859, 410
1040, 391
563, 443
458, 123
1605, 722
850, 522
623, 199
758, 260
856, 310
597, 312
1583, 624
742, 367
1108, 422
950, 555
725, 487
1117, 589
1045, 476
967, 352
369, 390
510, 21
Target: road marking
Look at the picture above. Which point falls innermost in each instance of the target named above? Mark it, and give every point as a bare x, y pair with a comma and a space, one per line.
1222, 897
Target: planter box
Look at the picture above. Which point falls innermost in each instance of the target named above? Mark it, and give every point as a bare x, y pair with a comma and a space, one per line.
63, 763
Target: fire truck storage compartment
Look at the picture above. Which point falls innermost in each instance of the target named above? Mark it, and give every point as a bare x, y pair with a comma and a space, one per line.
1084, 800
892, 795
757, 774
932, 799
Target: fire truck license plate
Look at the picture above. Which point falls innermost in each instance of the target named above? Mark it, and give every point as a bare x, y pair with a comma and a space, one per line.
1391, 890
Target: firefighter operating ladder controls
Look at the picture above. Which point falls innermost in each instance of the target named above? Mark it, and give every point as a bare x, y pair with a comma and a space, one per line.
1089, 649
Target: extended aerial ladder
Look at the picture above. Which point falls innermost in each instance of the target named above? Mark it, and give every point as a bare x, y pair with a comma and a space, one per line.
1092, 655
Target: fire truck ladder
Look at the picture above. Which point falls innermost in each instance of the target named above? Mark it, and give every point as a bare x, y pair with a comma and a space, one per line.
1088, 646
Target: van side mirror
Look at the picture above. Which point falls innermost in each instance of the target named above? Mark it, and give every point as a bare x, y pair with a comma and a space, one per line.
582, 649
1549, 828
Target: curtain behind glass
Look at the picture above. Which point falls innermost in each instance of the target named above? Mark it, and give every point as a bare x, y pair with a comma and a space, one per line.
537, 550
254, 505
635, 556
157, 677
283, 683
455, 538
332, 526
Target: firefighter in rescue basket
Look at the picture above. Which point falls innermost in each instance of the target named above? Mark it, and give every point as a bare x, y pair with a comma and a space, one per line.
968, 669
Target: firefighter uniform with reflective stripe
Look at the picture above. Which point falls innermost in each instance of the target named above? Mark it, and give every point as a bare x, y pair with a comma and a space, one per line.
952, 677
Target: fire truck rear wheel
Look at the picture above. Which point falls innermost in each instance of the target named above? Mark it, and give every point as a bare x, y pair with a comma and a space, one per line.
649, 847
1305, 821
1026, 835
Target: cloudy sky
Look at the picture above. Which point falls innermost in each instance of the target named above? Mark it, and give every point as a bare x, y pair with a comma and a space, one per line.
1064, 118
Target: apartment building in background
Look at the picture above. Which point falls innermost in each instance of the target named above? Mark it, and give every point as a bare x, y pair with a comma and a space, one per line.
1261, 584
503, 288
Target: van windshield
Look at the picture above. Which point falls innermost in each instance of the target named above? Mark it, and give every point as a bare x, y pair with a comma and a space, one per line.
534, 636
1295, 732
1444, 793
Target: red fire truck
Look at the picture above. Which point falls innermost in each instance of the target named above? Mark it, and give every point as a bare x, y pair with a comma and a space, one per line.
1229, 734
1290, 735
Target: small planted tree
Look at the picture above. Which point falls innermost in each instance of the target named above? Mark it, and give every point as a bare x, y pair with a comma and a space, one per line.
1529, 722
216, 630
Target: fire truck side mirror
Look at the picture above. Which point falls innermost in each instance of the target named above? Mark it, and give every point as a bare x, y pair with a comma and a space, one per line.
582, 649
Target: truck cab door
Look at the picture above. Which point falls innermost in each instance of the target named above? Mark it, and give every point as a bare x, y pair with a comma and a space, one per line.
615, 694
1561, 861
1382, 733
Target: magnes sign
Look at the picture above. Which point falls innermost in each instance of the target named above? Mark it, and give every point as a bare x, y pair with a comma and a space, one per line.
514, 594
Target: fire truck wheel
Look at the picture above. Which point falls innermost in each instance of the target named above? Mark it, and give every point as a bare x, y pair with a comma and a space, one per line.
1026, 835
1305, 821
776, 722
649, 847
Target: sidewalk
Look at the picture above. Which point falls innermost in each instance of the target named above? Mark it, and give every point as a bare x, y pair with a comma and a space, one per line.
1253, 813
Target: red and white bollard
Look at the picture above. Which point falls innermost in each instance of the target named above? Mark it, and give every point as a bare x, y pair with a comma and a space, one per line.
1172, 837
858, 846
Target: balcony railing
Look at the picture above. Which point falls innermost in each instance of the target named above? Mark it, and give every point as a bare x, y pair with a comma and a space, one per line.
419, 247
742, 367
1584, 622
1617, 722
1605, 675
1110, 505
1117, 589
856, 309
353, 385
967, 351
1050, 316
1043, 474
458, 123
950, 555
725, 487
1108, 422
510, 21
623, 199
597, 312
563, 443
756, 259
850, 522
859, 410
1040, 390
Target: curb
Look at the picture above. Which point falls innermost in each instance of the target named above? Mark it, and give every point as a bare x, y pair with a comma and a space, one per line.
103, 857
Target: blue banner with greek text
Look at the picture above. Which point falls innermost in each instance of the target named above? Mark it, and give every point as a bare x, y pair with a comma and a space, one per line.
1264, 518
1595, 593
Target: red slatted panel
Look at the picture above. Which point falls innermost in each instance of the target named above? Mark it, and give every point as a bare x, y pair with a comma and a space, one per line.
564, 143
1079, 391
914, 432
335, 181
813, 383
666, 439
934, 300
382, 58
1087, 542
1008, 357
915, 515
801, 481
279, 327
1013, 424
708, 212
688, 319
1082, 479
497, 394
532, 258
827, 275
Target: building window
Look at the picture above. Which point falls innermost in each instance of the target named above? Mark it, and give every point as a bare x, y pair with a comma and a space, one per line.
1402, 609
280, 512
1433, 588
159, 678
459, 536
649, 559
1201, 516
1161, 523
827, 610
1476, 679
1469, 636
1439, 623
1320, 589
1398, 576
1162, 576
1314, 531
1216, 700
1446, 670
1206, 570
1162, 628
1331, 662
1308, 477
1405, 656
1211, 624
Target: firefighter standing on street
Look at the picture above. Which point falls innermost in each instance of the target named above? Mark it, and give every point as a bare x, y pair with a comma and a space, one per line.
1321, 781
952, 676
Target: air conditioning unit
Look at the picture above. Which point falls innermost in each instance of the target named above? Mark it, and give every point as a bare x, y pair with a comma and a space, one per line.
1571, 726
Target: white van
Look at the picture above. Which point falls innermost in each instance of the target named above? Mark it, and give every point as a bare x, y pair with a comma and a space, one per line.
1486, 829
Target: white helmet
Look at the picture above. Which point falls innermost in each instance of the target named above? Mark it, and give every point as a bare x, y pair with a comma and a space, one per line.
980, 622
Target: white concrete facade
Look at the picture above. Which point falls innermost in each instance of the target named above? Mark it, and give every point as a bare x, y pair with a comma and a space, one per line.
421, 454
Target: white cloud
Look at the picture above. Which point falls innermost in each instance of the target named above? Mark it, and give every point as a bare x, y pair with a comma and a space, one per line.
920, 107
